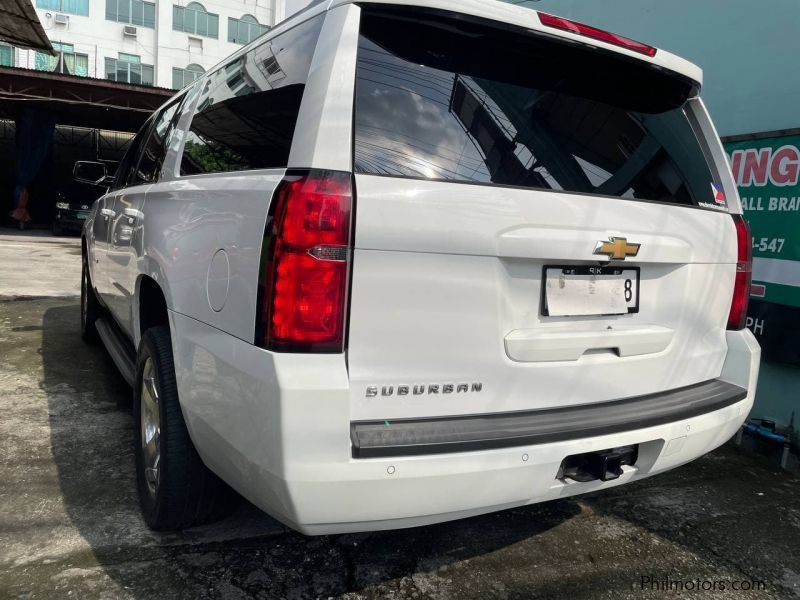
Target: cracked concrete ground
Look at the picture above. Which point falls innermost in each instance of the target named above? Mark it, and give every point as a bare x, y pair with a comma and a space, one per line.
70, 523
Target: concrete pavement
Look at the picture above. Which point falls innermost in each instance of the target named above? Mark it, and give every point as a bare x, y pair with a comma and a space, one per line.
70, 524
38, 264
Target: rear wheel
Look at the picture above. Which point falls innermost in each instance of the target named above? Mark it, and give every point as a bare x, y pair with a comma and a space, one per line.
90, 308
175, 488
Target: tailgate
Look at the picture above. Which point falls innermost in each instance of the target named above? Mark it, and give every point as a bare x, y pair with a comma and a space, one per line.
531, 239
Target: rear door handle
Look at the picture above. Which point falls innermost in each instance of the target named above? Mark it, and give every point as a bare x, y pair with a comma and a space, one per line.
537, 345
107, 212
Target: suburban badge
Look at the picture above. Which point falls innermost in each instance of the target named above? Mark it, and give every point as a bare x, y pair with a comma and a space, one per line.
421, 389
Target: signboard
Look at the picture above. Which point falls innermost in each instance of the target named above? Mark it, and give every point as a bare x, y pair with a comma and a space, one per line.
767, 172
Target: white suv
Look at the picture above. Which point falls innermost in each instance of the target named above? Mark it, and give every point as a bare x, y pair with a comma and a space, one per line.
397, 263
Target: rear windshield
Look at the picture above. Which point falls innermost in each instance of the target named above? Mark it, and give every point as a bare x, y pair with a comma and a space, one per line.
443, 97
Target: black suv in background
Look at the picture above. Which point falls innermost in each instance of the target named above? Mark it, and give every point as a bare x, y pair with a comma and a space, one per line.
74, 200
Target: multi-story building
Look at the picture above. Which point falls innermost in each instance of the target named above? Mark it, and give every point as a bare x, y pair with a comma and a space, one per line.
166, 43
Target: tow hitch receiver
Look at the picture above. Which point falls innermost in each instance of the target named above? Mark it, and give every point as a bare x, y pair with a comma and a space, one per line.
604, 465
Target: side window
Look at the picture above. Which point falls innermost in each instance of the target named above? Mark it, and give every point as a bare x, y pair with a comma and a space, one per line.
247, 110
131, 156
156, 147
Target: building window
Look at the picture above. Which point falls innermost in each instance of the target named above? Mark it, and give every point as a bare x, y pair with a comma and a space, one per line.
183, 77
128, 68
244, 30
195, 19
242, 121
134, 58
73, 7
6, 56
66, 61
135, 12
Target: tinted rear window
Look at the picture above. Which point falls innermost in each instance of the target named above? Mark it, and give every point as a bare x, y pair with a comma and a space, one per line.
247, 110
441, 97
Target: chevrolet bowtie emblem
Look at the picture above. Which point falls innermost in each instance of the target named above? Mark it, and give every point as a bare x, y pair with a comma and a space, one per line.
617, 248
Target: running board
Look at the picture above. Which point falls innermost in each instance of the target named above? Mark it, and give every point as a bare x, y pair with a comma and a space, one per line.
118, 347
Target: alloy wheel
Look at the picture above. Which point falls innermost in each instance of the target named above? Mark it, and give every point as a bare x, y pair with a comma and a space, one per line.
150, 428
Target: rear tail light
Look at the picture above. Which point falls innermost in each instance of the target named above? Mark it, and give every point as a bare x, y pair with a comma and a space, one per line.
597, 34
302, 305
744, 267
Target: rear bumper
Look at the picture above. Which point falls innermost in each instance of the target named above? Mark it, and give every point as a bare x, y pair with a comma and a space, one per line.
418, 437
275, 427
407, 492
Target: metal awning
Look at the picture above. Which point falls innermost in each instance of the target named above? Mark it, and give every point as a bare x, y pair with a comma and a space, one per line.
79, 101
20, 26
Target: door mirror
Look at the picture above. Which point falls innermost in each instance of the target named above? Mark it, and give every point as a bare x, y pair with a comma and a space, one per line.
86, 171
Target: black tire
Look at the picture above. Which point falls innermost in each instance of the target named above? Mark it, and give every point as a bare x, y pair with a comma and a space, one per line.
185, 492
90, 307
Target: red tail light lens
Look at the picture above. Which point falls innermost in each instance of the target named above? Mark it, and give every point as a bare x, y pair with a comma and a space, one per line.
597, 34
737, 318
306, 267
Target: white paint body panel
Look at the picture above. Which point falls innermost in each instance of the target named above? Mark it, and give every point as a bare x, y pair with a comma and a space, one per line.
445, 288
125, 252
187, 221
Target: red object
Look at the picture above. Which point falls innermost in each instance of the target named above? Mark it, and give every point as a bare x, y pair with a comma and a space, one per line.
758, 290
597, 34
306, 273
744, 270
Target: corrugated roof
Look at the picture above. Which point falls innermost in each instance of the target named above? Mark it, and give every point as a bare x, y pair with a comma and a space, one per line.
19, 25
81, 101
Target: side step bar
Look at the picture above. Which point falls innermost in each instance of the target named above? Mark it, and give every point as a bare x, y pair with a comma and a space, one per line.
118, 347
464, 433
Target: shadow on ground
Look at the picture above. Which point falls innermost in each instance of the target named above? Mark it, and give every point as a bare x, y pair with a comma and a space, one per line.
735, 506
246, 554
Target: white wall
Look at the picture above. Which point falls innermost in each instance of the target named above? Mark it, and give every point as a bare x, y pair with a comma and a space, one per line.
99, 38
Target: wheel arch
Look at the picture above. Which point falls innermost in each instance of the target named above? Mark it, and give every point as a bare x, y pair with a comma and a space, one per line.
88, 256
152, 306
152, 310
84, 246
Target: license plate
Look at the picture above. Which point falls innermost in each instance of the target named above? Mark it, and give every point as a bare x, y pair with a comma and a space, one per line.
579, 291
82, 217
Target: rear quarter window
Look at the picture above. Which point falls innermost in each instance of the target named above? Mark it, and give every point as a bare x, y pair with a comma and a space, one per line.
154, 149
247, 110
453, 99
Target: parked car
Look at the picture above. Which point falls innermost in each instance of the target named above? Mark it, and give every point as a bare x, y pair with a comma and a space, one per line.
402, 262
74, 200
